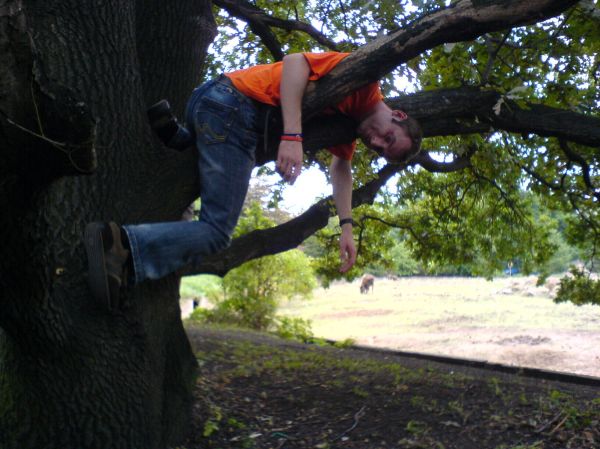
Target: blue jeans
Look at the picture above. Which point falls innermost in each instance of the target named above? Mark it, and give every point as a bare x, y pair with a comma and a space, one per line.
223, 123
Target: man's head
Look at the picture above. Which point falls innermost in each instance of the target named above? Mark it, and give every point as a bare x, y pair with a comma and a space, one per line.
392, 134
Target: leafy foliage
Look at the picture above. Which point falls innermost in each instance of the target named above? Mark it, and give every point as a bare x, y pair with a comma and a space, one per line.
579, 288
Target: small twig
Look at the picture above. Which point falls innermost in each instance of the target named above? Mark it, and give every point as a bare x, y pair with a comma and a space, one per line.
67, 149
59, 145
359, 414
549, 423
492, 54
585, 166
559, 425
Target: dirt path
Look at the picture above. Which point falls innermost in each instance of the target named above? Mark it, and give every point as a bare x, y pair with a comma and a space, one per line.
565, 351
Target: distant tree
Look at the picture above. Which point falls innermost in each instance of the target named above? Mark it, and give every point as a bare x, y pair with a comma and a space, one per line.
266, 193
403, 262
563, 257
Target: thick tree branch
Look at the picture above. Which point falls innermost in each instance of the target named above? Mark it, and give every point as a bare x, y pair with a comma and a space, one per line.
430, 164
260, 23
461, 21
291, 234
465, 110
471, 110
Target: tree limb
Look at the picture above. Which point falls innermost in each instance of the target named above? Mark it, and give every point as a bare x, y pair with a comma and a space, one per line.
461, 21
288, 235
468, 110
260, 22
425, 160
256, 19
441, 112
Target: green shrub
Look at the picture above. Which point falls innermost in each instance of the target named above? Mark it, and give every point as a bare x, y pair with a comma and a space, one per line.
293, 329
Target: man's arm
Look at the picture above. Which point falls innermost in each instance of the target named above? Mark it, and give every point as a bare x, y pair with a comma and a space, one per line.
341, 181
294, 79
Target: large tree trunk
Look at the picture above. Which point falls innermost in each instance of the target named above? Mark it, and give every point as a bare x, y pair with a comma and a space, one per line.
78, 75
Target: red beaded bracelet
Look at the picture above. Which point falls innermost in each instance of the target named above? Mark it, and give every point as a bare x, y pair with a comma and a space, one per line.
292, 137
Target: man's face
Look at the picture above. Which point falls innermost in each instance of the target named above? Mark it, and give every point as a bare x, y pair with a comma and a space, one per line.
386, 138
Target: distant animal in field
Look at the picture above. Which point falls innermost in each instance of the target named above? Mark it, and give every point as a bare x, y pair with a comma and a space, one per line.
368, 282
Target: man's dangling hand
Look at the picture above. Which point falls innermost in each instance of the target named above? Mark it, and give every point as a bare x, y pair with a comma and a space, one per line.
289, 160
347, 249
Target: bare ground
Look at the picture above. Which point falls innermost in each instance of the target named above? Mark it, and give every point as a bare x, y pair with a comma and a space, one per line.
258, 392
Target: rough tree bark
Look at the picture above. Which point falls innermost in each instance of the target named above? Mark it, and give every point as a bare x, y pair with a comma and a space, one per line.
75, 78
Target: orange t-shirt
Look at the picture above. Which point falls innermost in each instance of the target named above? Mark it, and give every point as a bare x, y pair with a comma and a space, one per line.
262, 83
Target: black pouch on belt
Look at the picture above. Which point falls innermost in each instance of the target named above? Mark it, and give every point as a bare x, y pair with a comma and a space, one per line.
269, 127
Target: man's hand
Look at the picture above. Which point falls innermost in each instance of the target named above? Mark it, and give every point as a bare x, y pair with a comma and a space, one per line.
289, 160
347, 249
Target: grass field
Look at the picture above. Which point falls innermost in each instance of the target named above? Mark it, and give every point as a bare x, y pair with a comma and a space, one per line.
509, 320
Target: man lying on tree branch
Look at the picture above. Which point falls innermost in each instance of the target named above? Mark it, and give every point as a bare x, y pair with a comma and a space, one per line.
221, 119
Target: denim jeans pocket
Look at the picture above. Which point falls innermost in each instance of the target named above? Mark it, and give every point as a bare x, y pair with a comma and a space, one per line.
215, 114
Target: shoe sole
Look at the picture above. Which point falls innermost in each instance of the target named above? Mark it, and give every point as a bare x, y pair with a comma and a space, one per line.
97, 276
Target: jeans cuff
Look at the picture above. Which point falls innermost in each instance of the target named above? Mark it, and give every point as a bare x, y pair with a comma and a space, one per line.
135, 257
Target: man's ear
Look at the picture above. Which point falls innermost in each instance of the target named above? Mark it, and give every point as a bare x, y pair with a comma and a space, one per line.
399, 115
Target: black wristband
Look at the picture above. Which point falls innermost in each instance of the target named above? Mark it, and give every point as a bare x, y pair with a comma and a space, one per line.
344, 221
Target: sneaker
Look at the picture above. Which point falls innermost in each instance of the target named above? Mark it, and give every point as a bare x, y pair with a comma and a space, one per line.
107, 262
167, 128
162, 121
